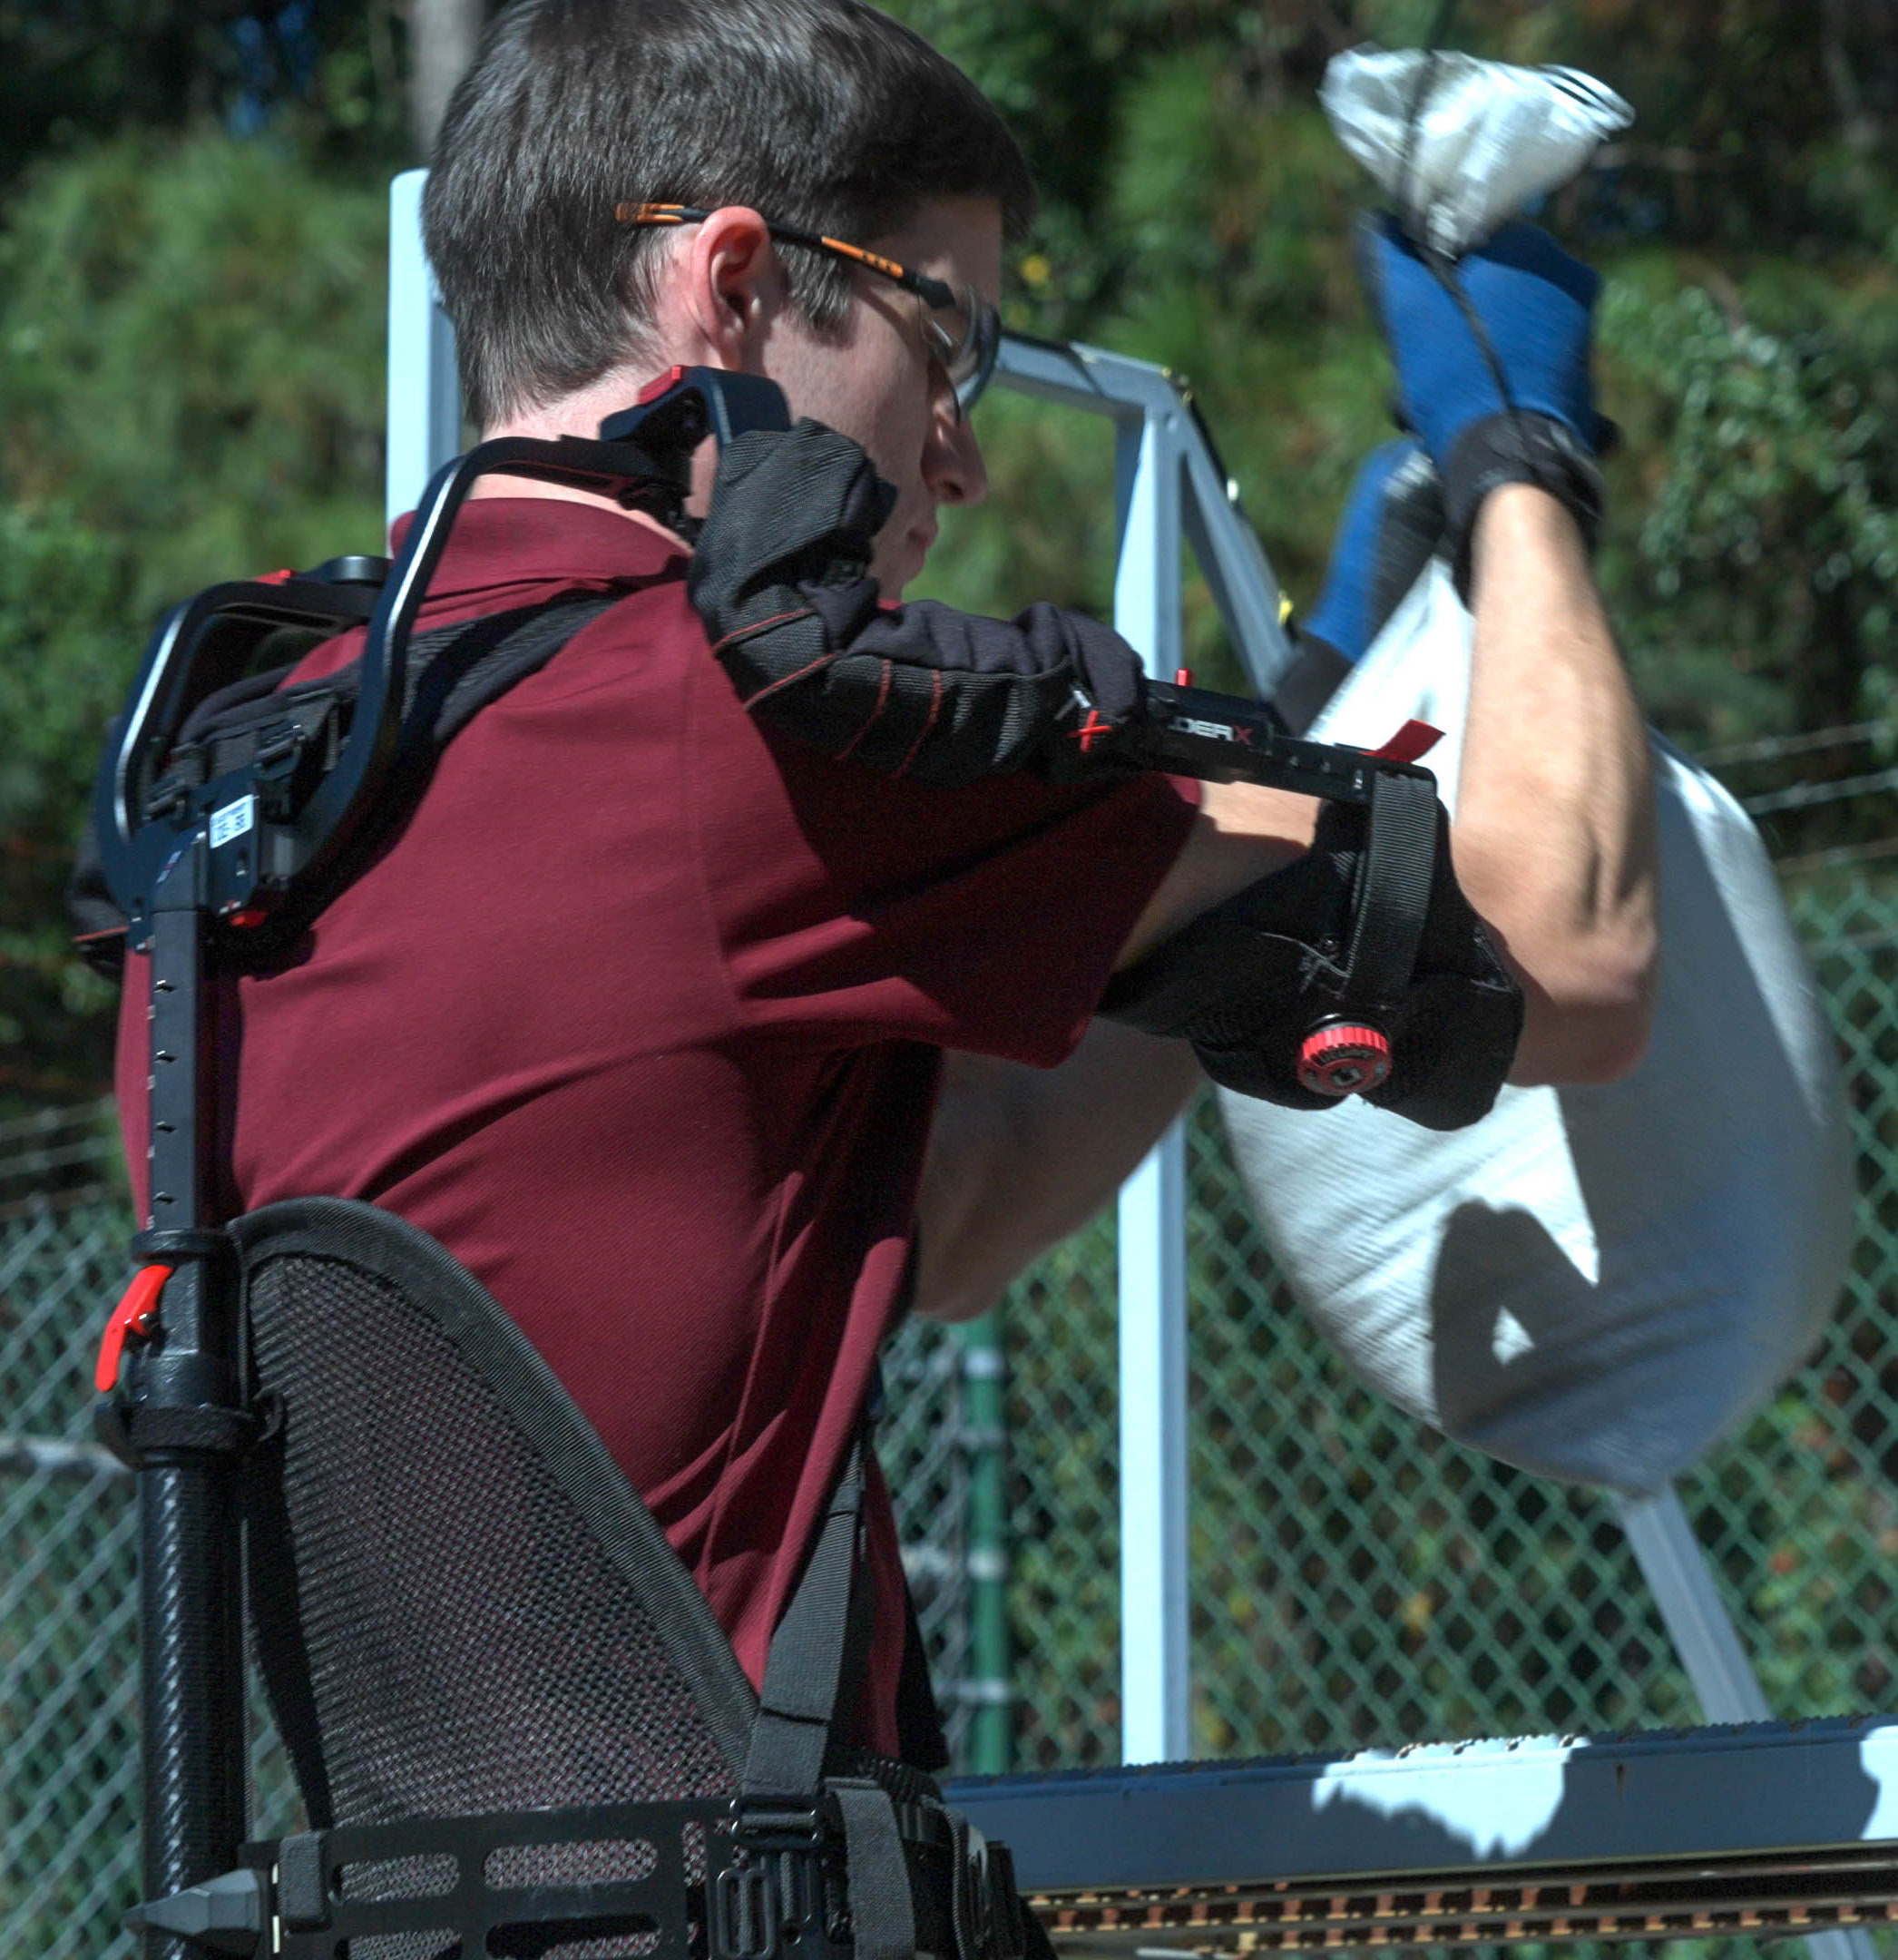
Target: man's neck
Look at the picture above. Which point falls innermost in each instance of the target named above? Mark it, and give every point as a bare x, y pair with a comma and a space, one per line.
578, 415
532, 486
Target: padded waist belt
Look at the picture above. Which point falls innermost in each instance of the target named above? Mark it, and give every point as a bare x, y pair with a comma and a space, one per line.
736, 1881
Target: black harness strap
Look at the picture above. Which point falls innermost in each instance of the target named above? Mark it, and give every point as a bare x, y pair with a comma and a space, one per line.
883, 1916
1400, 865
474, 663
791, 1734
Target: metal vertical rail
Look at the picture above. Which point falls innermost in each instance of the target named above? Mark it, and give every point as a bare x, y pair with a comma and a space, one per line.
1156, 1685
424, 388
1170, 490
984, 1437
185, 1423
1696, 1620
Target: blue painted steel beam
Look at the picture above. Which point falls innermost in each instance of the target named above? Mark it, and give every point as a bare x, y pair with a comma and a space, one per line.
1448, 1808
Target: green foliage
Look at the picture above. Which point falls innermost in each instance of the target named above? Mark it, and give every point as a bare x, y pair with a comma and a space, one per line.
63, 614
74, 71
191, 380
190, 352
1768, 547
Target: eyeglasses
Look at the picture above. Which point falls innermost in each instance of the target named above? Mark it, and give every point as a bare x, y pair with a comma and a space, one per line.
961, 332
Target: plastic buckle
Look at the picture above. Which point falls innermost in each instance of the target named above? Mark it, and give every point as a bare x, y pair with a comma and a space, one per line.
745, 1920
779, 1824
772, 1894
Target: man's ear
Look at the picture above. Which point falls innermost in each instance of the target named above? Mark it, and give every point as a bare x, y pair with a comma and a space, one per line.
734, 285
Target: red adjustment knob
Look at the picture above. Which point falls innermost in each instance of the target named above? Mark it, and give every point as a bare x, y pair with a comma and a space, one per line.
133, 1318
1344, 1058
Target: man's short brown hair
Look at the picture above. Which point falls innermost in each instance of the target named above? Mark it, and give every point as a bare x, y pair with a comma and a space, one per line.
823, 114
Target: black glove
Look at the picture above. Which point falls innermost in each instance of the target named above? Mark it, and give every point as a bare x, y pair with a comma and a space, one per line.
780, 576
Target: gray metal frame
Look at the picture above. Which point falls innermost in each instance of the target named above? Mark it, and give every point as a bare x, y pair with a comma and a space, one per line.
1168, 491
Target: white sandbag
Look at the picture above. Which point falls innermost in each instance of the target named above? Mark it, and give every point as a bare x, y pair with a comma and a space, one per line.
1591, 1283
1489, 138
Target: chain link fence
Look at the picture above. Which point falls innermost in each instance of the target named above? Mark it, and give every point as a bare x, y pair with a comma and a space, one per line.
1356, 1577
68, 1612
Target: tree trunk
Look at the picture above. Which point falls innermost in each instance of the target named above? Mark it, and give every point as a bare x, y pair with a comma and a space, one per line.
441, 38
1858, 122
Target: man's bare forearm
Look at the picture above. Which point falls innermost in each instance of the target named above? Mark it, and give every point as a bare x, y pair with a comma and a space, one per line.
1554, 845
1554, 838
1021, 1157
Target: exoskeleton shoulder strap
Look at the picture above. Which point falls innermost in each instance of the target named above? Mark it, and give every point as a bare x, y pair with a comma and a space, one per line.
453, 672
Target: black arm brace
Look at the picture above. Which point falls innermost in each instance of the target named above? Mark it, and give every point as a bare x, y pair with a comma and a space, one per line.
1328, 941
780, 576
1366, 934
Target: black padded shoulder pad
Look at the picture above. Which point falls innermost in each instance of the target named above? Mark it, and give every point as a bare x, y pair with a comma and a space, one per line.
1248, 981
779, 577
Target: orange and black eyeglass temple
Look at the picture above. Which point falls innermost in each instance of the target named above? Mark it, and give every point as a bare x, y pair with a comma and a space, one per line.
937, 292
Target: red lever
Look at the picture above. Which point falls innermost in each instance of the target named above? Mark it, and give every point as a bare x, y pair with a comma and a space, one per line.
135, 1318
654, 389
1412, 741
1342, 1059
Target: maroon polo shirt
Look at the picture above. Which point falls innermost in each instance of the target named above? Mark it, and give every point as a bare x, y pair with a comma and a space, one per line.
640, 1018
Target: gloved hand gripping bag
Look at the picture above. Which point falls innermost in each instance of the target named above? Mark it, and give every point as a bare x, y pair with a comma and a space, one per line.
1488, 141
1489, 321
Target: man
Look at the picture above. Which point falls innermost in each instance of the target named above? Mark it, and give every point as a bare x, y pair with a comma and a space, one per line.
643, 1015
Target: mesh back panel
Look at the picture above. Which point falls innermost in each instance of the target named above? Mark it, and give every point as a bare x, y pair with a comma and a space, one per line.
469, 1643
